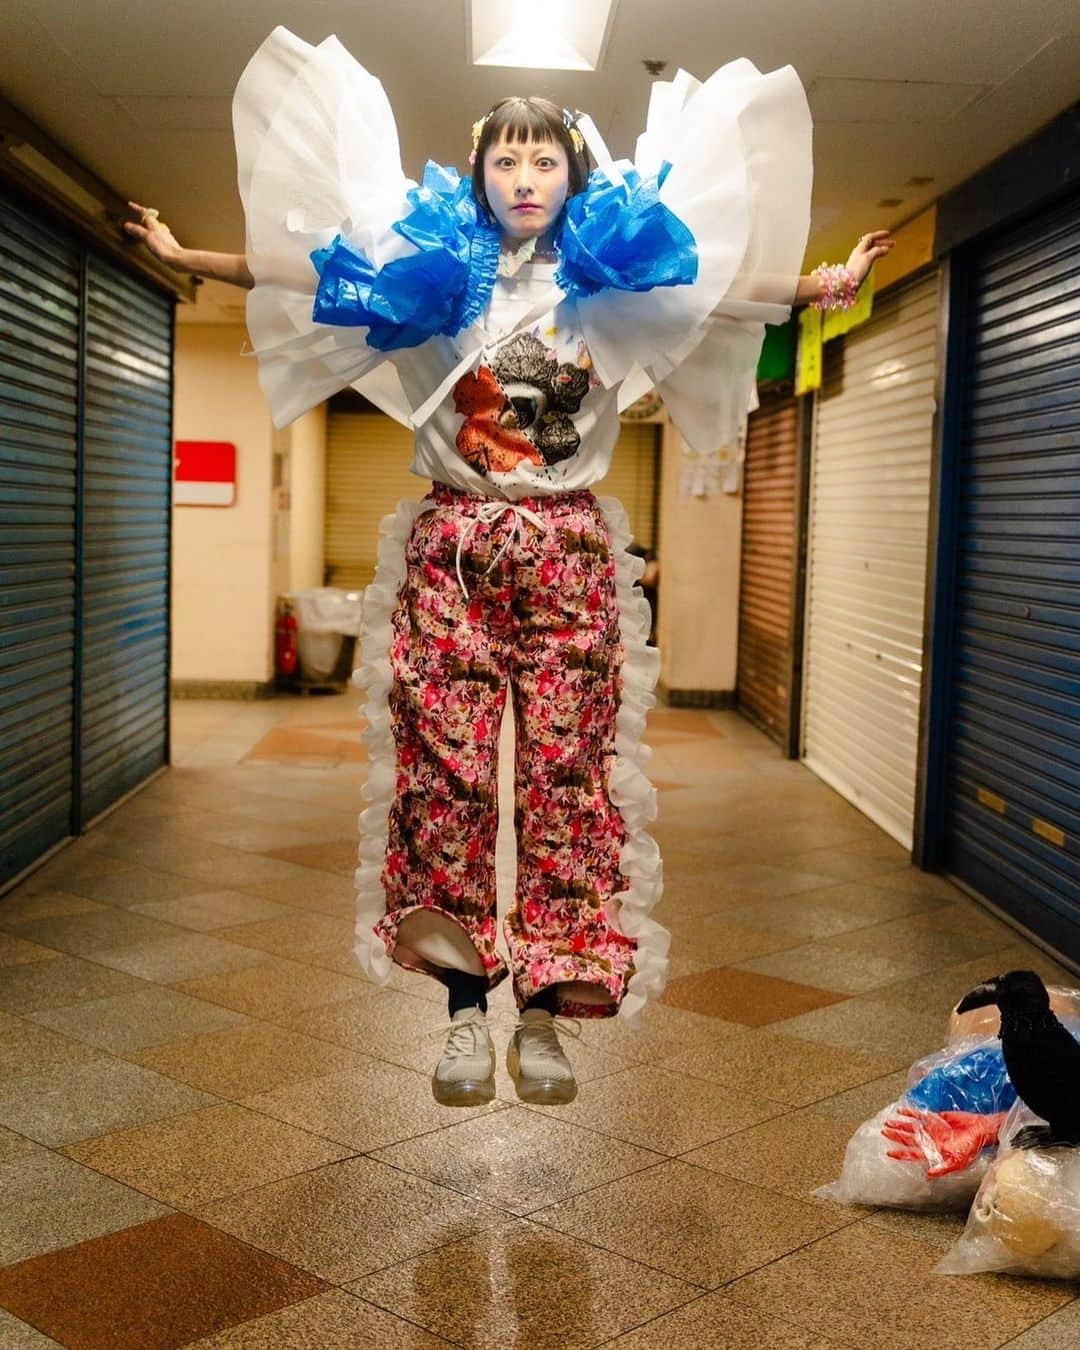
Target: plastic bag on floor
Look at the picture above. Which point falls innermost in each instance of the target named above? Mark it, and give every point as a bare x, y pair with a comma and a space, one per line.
1026, 1215
931, 1148
985, 1022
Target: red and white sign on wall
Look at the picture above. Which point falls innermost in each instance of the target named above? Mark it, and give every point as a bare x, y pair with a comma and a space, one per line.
205, 473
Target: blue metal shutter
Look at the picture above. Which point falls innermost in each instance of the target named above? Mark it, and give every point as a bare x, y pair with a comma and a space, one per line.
128, 476
39, 363
1013, 815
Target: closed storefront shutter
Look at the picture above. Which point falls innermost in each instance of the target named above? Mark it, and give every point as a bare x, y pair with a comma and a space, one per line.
85, 471
126, 504
1013, 815
767, 572
367, 474
866, 557
39, 361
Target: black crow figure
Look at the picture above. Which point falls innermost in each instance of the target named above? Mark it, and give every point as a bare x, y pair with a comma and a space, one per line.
1041, 1057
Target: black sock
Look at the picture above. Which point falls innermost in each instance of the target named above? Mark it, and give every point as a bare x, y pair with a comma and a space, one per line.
548, 999
466, 990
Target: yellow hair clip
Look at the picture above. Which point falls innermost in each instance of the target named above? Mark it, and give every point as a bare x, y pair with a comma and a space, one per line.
577, 140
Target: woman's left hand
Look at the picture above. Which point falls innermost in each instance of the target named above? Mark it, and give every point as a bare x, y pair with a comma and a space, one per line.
869, 248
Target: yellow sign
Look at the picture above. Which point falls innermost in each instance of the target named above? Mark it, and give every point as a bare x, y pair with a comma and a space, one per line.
808, 355
839, 321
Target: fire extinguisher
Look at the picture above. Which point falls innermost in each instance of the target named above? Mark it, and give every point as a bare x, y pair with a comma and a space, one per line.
285, 652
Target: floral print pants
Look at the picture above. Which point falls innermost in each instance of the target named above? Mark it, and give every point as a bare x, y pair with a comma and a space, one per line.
540, 618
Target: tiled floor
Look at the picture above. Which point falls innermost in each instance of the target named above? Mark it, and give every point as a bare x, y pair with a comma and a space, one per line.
213, 1132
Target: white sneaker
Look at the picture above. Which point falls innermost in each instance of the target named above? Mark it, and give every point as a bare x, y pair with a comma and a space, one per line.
465, 1076
535, 1060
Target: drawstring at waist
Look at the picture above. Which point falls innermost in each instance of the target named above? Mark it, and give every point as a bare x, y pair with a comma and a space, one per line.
488, 513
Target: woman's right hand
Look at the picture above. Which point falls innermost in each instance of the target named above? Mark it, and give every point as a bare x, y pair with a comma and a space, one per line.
156, 235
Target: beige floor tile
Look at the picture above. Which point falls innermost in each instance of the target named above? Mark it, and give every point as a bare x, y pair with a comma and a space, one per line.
320, 891
73, 1102
667, 1112
185, 956
867, 1287
14, 1146
517, 1160
711, 1322
819, 964
16, 951
26, 990
351, 1218
249, 1059
793, 1154
1059, 1331
134, 885
134, 1021
854, 1105
204, 1155
375, 1022
367, 1106
691, 1222
940, 1230
494, 1290
275, 989
781, 1068
27, 1048
296, 935
209, 911
665, 1031
892, 1032
333, 1319
918, 937
79, 861
18, 1335
721, 940
23, 906
52, 1202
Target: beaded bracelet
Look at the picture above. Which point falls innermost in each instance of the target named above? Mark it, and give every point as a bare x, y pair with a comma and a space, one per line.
841, 288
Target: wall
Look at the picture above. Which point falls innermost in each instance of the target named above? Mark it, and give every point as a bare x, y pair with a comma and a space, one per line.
700, 541
222, 592
308, 499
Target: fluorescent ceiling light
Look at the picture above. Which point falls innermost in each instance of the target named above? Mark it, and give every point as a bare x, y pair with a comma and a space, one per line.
544, 34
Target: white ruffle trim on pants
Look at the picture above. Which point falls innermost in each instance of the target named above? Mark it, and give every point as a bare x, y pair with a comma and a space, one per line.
630, 789
375, 674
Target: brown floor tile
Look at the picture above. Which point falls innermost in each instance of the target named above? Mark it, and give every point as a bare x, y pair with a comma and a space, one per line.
495, 1290
692, 1223
324, 892
28, 1048
331, 1319
23, 906
159, 1284
517, 1160
134, 885
711, 1322
41, 985
76, 1101
741, 996
195, 1158
247, 1060
51, 1202
666, 1112
295, 936
351, 1218
83, 934
134, 1021
867, 1287
276, 989
332, 855
309, 745
1059, 1331
367, 1106
15, 951
208, 911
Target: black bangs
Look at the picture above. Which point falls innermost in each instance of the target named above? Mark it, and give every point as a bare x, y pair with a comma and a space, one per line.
524, 120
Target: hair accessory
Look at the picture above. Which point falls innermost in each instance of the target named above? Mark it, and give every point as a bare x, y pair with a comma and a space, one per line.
841, 288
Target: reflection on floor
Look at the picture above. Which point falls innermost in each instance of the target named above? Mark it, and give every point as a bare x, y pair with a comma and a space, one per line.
213, 1132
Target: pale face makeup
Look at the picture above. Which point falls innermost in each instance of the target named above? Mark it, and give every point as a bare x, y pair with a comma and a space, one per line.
526, 185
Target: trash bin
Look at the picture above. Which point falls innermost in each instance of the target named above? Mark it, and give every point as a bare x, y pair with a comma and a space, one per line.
327, 621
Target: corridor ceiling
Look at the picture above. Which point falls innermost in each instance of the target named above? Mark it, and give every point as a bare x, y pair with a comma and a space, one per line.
908, 99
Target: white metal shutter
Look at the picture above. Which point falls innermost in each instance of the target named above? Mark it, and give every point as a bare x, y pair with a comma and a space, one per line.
866, 557
367, 474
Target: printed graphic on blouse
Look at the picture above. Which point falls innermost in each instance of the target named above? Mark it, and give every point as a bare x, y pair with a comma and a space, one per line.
520, 409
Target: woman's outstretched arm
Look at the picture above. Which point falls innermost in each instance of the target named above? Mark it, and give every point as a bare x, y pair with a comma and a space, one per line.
162, 243
863, 256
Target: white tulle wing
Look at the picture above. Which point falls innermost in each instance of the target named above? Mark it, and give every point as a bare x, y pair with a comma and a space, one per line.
317, 155
740, 151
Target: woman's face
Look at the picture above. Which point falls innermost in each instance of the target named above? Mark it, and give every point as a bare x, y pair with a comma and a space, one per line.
526, 185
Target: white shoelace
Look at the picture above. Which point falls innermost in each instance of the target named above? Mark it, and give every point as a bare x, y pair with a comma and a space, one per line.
546, 1041
488, 513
